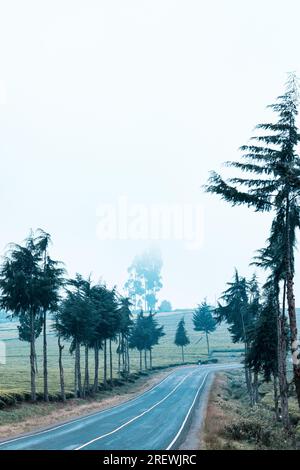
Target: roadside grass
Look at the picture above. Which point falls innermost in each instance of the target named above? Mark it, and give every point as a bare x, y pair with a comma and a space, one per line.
26, 417
23, 411
15, 377
232, 424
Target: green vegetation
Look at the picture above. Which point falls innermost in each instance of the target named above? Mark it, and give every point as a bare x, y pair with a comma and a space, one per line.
80, 337
15, 377
181, 337
232, 424
204, 322
144, 335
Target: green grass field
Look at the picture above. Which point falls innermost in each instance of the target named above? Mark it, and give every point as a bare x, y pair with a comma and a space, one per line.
14, 375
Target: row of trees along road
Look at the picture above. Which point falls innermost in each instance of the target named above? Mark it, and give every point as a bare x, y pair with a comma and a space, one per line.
273, 160
34, 288
145, 334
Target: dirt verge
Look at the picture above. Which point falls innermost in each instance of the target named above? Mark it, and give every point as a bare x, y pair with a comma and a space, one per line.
232, 424
25, 417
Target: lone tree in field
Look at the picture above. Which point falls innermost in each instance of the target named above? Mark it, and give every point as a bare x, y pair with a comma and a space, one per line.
181, 337
274, 161
204, 321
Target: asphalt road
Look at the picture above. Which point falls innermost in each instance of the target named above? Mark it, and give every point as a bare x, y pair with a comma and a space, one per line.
154, 420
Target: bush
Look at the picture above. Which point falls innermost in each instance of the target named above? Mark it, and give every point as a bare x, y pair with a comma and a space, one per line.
249, 430
8, 400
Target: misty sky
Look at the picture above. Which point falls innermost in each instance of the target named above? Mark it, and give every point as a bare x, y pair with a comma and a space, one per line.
108, 98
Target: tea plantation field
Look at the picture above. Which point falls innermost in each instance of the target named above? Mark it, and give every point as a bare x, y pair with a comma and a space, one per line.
14, 375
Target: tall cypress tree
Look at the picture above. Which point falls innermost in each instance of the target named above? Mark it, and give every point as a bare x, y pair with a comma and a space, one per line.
153, 333
21, 283
238, 307
181, 337
274, 161
124, 332
138, 338
272, 258
204, 321
262, 353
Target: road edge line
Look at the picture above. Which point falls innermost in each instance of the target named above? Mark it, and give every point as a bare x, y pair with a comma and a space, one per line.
135, 417
82, 418
176, 439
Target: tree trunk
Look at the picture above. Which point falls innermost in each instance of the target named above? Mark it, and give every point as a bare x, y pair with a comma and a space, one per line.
61, 371
182, 353
255, 388
294, 334
110, 365
76, 373
141, 363
145, 359
128, 357
36, 364
32, 358
248, 384
86, 388
207, 343
105, 364
45, 359
124, 366
282, 349
96, 373
79, 372
150, 357
78, 385
291, 305
283, 384
120, 352
276, 401
248, 378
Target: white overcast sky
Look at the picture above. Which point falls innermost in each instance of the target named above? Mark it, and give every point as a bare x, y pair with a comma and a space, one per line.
136, 98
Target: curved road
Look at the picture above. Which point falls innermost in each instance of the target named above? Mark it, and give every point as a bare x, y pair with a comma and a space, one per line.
153, 420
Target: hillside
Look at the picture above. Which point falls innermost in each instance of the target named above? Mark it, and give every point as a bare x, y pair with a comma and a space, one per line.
15, 374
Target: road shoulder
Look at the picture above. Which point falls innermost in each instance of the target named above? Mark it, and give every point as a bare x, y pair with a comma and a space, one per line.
25, 418
193, 434
232, 424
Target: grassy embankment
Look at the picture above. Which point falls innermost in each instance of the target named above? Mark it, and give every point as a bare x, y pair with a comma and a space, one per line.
232, 424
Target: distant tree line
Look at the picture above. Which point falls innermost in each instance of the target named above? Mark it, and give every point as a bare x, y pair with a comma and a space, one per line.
145, 280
